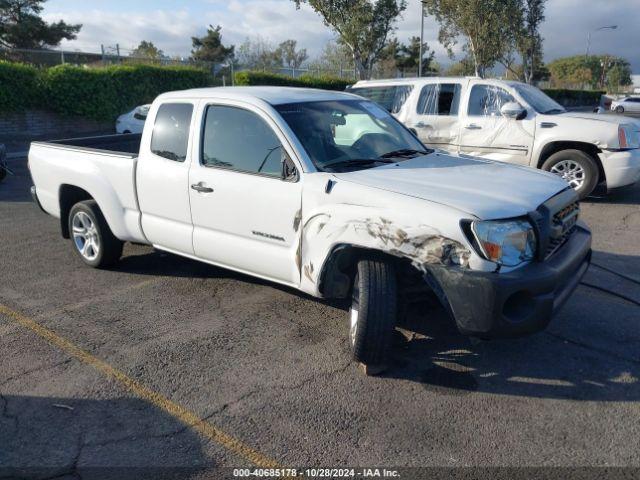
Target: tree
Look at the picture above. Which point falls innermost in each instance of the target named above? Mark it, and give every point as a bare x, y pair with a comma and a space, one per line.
528, 40
594, 70
22, 27
291, 57
463, 68
486, 26
259, 54
398, 56
362, 25
210, 48
409, 55
147, 50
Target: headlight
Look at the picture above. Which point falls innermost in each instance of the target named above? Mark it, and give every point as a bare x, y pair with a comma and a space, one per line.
628, 137
506, 242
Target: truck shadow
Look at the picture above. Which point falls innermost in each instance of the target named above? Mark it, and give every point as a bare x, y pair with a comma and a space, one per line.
573, 359
124, 438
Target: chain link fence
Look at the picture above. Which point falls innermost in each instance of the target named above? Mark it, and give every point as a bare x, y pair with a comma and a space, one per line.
119, 56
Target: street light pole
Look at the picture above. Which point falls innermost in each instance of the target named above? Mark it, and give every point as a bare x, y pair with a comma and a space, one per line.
421, 38
607, 27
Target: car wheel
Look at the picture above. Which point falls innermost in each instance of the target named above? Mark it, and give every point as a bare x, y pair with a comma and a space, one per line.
91, 236
577, 167
372, 316
619, 109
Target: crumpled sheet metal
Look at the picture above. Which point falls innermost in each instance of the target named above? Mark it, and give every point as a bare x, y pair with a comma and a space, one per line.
422, 244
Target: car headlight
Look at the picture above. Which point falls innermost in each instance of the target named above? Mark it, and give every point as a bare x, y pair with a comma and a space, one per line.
506, 242
628, 137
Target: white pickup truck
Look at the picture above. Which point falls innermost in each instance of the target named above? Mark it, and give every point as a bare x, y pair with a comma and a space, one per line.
327, 193
517, 123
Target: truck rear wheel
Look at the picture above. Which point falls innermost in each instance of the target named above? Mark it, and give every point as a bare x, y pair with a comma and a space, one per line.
577, 168
373, 312
91, 236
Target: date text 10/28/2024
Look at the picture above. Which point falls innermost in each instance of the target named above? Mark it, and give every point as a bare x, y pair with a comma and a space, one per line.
315, 473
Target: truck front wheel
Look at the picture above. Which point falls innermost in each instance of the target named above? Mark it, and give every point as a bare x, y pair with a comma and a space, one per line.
577, 168
91, 236
373, 312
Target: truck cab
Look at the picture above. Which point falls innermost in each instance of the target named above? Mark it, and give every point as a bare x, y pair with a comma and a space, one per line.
516, 123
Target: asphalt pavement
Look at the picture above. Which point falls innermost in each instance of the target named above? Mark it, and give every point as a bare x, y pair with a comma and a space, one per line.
166, 365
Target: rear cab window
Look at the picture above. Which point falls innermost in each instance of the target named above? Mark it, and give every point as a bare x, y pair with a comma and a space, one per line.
442, 99
170, 138
391, 97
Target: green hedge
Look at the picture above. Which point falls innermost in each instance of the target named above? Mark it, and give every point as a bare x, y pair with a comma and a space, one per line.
247, 78
574, 98
19, 87
105, 93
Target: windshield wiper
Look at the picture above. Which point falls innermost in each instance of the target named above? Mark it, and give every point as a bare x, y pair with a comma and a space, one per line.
356, 162
405, 153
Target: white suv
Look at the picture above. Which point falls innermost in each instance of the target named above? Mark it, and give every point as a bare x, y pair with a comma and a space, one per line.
513, 122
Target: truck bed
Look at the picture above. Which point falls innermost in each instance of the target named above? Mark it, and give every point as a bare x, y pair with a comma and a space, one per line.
102, 168
120, 144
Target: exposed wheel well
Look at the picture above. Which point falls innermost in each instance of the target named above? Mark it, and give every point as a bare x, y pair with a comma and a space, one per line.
589, 148
339, 269
68, 196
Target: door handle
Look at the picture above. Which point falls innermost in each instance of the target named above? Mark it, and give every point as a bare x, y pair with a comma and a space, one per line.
421, 125
200, 188
473, 126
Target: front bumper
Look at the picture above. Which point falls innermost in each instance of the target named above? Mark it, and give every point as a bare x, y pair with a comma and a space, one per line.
621, 168
521, 302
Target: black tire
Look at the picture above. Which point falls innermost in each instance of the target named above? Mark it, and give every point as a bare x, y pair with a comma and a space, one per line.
375, 299
619, 109
584, 160
110, 248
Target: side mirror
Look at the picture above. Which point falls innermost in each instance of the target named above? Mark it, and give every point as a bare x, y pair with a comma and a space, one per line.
289, 170
513, 110
414, 131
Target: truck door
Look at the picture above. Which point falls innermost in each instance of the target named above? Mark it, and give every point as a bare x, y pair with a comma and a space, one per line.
245, 216
486, 133
162, 178
436, 116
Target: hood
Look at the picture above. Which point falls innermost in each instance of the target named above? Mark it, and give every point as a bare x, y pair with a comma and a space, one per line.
606, 118
483, 188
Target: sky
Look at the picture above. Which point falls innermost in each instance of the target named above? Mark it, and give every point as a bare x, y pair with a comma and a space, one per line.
170, 24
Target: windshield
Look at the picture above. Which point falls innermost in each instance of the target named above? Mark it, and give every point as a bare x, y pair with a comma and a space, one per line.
538, 100
349, 134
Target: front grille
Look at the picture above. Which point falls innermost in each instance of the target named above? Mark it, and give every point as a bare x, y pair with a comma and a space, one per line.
555, 221
563, 224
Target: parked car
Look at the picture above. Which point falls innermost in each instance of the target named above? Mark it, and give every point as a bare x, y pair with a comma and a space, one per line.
626, 105
327, 193
514, 122
133, 121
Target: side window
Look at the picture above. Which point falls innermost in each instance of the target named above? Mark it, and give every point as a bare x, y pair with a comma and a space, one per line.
239, 139
170, 137
487, 100
439, 99
428, 101
392, 98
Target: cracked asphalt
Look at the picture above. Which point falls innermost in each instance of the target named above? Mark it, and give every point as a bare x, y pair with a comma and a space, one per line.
271, 368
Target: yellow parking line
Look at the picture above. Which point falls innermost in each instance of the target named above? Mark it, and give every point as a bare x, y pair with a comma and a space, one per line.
185, 416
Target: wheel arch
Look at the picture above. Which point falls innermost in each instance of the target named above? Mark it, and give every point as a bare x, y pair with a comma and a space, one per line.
339, 268
559, 145
68, 196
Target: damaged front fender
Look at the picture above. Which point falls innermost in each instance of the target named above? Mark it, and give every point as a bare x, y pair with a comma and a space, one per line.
359, 226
